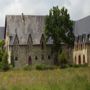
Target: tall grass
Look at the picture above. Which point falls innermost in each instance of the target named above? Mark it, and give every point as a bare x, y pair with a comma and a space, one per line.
59, 79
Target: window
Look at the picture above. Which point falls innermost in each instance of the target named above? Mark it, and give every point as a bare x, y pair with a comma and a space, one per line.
49, 57
29, 60
36, 57
89, 37
16, 58
42, 57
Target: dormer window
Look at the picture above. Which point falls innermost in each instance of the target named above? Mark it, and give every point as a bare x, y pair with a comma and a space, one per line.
29, 41
42, 42
88, 37
42, 46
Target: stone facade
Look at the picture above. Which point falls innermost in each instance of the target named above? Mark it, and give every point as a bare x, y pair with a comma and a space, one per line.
25, 41
26, 44
81, 52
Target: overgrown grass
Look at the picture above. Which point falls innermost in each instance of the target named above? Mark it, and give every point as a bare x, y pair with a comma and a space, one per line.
58, 79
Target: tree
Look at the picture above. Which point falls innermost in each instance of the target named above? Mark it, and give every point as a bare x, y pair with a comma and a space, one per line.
5, 65
59, 27
3, 57
63, 58
1, 49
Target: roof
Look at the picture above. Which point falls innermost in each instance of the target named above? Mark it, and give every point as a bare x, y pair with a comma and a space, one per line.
82, 26
24, 25
2, 29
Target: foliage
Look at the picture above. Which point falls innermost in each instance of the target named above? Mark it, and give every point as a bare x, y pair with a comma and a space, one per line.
5, 65
1, 49
27, 67
44, 67
59, 27
63, 59
79, 65
3, 57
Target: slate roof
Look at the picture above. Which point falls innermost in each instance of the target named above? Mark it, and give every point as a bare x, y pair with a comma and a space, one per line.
24, 25
2, 30
82, 26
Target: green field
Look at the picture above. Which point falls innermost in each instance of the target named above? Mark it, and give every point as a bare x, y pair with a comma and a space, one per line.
59, 79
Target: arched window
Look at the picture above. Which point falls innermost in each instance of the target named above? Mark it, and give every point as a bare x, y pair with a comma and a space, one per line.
42, 42
49, 57
88, 37
16, 58
36, 57
79, 59
83, 59
42, 46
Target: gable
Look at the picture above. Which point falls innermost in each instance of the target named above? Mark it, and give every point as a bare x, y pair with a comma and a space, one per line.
33, 25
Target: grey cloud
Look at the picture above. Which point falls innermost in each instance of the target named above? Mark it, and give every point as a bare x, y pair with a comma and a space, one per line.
77, 8
5, 3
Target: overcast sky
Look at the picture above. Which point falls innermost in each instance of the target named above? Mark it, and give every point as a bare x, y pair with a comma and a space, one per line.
77, 8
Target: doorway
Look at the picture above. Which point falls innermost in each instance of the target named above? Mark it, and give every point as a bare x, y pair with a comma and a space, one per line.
29, 60
79, 59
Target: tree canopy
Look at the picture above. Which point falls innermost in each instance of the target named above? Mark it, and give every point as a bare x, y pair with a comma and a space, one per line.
59, 27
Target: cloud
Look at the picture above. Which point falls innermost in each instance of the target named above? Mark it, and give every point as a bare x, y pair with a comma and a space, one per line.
77, 8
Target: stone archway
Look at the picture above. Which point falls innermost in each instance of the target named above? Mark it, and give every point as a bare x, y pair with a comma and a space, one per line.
79, 59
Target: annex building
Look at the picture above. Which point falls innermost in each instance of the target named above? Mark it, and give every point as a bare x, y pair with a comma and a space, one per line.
81, 52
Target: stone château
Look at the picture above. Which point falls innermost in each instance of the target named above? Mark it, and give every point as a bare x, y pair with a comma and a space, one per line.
25, 41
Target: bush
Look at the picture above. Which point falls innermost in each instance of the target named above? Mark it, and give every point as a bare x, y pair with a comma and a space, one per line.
44, 67
63, 59
80, 65
4, 64
27, 67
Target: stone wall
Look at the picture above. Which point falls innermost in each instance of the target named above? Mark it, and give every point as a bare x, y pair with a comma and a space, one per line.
38, 56
80, 54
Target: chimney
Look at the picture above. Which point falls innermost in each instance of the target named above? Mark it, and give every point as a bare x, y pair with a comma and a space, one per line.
22, 17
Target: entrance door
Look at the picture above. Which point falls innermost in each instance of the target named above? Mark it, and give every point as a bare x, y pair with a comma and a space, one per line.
29, 60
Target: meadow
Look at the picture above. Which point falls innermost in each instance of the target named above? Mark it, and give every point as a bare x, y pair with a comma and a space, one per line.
58, 79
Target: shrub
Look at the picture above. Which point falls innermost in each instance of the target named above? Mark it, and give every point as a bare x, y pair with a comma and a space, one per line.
27, 67
44, 67
80, 65
4, 63
63, 59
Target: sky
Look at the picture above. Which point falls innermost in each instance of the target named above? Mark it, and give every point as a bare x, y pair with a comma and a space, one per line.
76, 8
